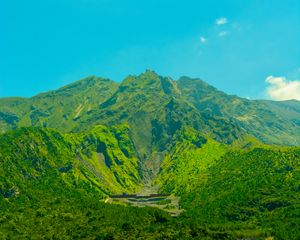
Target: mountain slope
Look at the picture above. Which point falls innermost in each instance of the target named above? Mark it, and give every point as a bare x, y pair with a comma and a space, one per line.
251, 185
100, 161
270, 121
58, 109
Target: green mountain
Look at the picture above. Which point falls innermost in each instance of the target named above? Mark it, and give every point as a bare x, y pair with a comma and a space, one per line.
158, 103
233, 162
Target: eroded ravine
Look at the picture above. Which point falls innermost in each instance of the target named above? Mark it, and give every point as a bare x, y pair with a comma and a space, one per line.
149, 194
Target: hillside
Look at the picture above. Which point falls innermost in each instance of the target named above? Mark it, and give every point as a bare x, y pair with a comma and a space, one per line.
53, 185
98, 162
247, 185
271, 122
56, 109
245, 189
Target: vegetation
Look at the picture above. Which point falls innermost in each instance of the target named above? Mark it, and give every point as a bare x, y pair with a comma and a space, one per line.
256, 186
86, 218
98, 161
63, 152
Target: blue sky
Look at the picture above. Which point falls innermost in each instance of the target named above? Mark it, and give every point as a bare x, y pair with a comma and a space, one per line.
234, 45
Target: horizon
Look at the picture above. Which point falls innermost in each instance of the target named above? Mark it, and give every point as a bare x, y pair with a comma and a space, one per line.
248, 49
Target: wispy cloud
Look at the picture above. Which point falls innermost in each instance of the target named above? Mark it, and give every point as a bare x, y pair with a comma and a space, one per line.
203, 40
223, 34
282, 89
221, 21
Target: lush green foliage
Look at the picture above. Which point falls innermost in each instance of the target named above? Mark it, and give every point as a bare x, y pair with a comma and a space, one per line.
185, 167
257, 186
80, 217
100, 160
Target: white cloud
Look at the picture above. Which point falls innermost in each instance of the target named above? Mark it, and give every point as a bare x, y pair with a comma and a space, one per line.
203, 40
282, 89
223, 34
221, 21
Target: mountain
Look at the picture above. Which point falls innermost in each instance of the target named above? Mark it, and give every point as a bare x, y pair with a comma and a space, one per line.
154, 107
158, 103
232, 162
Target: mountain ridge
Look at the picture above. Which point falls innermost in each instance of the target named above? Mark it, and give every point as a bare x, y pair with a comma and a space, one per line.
72, 106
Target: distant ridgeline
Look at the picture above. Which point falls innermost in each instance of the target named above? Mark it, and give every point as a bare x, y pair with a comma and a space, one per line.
234, 163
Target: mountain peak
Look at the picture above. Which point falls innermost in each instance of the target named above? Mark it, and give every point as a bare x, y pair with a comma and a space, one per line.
146, 78
148, 75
